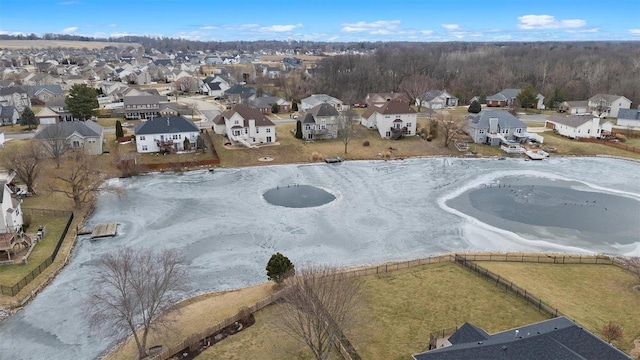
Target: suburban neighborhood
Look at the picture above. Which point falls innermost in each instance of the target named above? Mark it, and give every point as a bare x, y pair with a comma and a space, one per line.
422, 184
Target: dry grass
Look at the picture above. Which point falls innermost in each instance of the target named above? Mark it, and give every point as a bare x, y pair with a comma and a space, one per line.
592, 295
67, 44
196, 315
568, 147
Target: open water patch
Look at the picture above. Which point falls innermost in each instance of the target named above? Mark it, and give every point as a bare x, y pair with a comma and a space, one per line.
298, 196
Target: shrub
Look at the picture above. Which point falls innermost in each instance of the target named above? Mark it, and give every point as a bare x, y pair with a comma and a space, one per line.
386, 154
621, 137
365, 143
245, 314
316, 156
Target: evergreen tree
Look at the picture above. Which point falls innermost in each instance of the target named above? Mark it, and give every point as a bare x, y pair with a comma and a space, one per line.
279, 268
294, 106
556, 98
475, 107
28, 118
275, 108
119, 131
527, 97
186, 144
298, 129
82, 102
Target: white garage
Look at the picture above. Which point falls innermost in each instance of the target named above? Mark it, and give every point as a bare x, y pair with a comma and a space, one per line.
46, 116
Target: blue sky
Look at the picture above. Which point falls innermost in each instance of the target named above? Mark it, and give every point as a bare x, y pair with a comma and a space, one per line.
329, 20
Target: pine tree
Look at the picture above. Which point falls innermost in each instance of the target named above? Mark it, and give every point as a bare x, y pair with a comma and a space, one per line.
299, 129
28, 118
294, 106
279, 268
119, 131
475, 107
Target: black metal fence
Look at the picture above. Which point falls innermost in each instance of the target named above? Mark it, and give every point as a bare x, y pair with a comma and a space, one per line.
13, 290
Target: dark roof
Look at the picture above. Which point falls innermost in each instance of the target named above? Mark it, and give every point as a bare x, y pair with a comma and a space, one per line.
558, 338
505, 119
141, 100
468, 333
65, 129
240, 89
631, 114
323, 109
7, 111
308, 119
390, 108
165, 125
246, 113
54, 89
10, 90
264, 101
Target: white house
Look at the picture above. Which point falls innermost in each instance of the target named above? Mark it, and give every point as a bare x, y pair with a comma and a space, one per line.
629, 117
1, 138
165, 134
316, 99
579, 126
10, 210
245, 125
392, 119
436, 99
605, 105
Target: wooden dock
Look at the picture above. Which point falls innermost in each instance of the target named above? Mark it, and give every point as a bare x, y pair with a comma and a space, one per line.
104, 230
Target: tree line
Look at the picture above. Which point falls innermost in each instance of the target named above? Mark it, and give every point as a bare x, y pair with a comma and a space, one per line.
562, 70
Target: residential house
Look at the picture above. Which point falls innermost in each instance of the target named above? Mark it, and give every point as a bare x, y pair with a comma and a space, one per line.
320, 122
574, 107
495, 127
166, 134
47, 92
607, 105
265, 104
16, 97
143, 106
557, 338
579, 126
436, 99
2, 138
8, 115
317, 99
214, 86
507, 96
10, 208
85, 135
392, 119
240, 93
245, 125
168, 110
381, 98
629, 117
271, 72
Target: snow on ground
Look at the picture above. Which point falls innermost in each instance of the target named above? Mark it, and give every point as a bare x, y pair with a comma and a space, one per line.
219, 221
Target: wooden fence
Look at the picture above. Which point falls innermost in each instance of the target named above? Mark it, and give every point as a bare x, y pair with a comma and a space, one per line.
616, 145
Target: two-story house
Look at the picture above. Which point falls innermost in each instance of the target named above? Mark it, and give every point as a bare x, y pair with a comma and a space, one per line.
141, 106
10, 210
240, 93
605, 105
166, 134
16, 97
320, 122
392, 119
55, 110
8, 115
245, 125
495, 127
579, 126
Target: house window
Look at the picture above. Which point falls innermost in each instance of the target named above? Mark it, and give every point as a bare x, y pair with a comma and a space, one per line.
236, 122
141, 137
307, 127
409, 125
388, 134
588, 131
268, 130
76, 143
144, 148
236, 132
268, 138
481, 131
246, 130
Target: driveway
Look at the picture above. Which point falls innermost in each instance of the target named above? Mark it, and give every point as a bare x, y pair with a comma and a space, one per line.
208, 110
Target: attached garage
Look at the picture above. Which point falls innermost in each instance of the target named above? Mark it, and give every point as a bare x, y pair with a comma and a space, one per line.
47, 116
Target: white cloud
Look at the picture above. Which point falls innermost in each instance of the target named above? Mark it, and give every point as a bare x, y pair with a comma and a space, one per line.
426, 32
451, 27
634, 31
280, 28
112, 25
374, 27
70, 30
208, 27
532, 22
580, 31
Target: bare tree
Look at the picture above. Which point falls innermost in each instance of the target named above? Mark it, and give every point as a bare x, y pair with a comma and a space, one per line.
449, 125
612, 332
80, 179
321, 302
26, 161
346, 128
54, 141
131, 290
416, 86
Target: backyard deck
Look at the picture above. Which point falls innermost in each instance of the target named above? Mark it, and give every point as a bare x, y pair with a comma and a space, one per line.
104, 230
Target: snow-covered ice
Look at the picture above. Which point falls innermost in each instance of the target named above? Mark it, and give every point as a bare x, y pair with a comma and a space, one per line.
220, 222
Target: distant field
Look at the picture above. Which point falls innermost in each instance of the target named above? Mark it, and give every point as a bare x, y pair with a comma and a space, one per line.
45, 44
304, 58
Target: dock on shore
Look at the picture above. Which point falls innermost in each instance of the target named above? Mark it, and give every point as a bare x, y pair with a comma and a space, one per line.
104, 230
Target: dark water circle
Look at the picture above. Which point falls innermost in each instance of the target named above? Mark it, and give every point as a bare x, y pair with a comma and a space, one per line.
298, 196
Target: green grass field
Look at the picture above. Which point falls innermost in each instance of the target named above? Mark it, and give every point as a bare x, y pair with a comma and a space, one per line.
10, 274
592, 295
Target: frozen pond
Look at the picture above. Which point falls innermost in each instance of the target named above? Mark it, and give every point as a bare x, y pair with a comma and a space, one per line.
382, 211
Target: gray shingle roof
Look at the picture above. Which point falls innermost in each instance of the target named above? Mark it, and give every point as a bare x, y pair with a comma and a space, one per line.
10, 90
323, 109
264, 101
558, 338
630, 114
505, 119
246, 113
317, 99
65, 129
165, 125
141, 100
571, 120
6, 111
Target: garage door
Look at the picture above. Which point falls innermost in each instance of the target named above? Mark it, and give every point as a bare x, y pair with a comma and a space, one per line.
48, 121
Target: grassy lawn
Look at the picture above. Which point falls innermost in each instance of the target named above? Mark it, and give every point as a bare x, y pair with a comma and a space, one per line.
11, 274
592, 295
570, 147
633, 142
15, 129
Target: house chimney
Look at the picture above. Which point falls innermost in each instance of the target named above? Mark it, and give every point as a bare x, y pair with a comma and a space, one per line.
493, 125
167, 121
